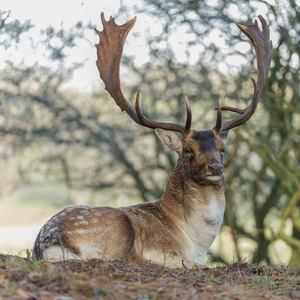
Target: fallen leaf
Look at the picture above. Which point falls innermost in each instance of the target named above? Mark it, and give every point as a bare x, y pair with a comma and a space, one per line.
35, 276
24, 294
216, 273
47, 264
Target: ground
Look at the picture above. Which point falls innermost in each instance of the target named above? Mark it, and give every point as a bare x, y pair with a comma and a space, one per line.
21, 278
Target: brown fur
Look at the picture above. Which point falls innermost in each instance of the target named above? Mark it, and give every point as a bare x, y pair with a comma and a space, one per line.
158, 231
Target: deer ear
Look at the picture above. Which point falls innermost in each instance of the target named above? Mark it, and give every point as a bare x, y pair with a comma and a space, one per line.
224, 136
170, 139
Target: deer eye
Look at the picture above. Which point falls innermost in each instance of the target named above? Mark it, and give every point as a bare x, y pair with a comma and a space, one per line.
223, 151
187, 151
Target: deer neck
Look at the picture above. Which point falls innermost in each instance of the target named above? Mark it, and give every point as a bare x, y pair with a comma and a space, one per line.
195, 210
185, 199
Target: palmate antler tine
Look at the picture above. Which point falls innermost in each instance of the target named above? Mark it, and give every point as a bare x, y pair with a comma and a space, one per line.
219, 119
188, 122
109, 53
263, 48
233, 109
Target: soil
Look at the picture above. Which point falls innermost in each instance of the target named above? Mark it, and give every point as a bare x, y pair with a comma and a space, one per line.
22, 278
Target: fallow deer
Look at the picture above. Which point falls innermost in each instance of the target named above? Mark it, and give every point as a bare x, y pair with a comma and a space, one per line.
180, 226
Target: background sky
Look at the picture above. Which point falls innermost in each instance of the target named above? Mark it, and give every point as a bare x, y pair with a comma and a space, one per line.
66, 14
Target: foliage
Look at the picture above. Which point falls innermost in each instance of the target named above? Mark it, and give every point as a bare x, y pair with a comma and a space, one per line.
12, 29
83, 140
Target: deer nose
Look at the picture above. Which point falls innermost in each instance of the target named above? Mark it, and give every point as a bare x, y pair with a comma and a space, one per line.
215, 169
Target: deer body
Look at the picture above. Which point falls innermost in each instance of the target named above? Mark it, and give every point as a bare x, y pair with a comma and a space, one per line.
180, 226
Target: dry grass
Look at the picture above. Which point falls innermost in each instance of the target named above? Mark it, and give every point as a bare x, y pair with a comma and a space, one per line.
95, 279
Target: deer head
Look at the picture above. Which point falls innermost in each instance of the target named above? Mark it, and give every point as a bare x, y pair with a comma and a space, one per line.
200, 152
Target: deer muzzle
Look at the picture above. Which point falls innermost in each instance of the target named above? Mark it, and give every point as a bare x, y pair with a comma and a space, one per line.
215, 169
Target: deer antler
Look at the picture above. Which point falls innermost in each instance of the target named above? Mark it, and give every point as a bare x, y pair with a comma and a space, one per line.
109, 53
263, 48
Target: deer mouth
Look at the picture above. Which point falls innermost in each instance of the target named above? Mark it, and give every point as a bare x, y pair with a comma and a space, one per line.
213, 177
207, 178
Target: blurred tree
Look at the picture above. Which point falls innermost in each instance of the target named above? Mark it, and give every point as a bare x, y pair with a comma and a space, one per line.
12, 29
90, 146
68, 139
